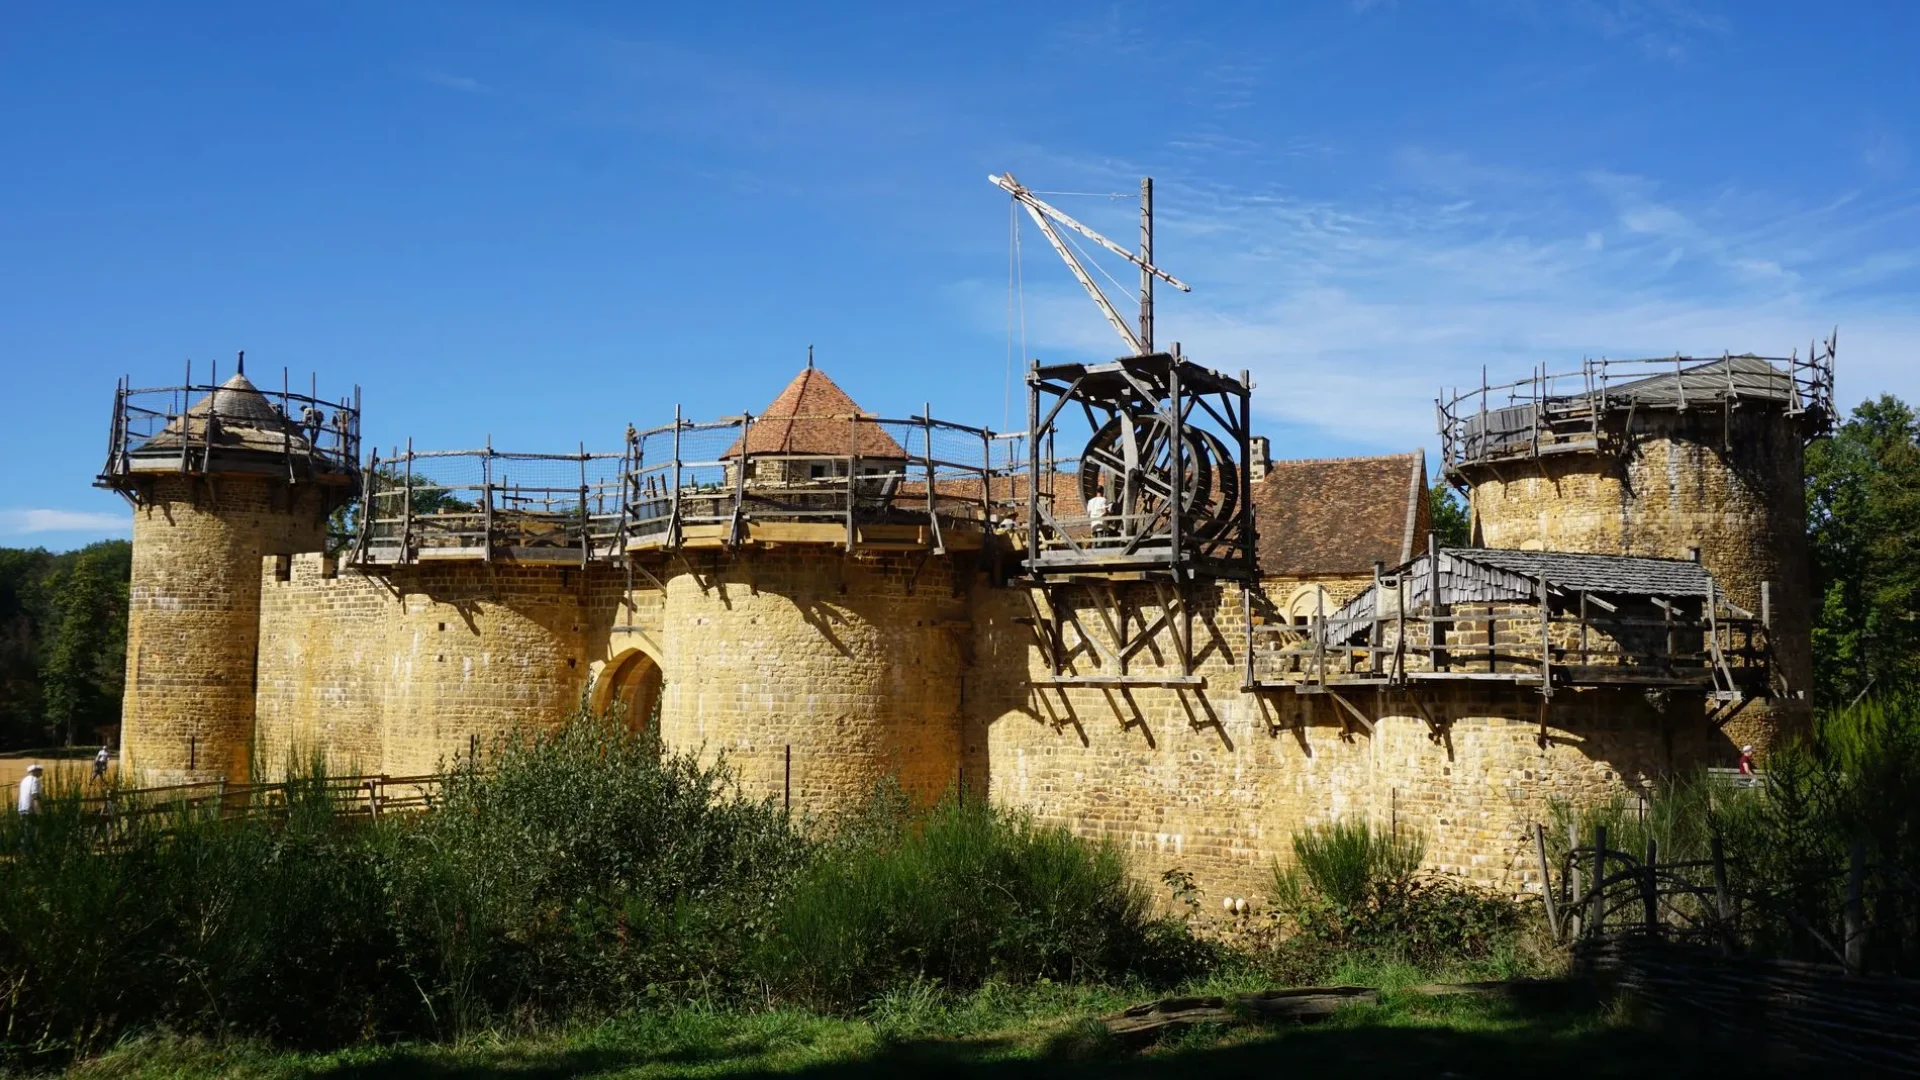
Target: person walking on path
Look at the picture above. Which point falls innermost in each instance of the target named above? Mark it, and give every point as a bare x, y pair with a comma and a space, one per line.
100, 763
29, 797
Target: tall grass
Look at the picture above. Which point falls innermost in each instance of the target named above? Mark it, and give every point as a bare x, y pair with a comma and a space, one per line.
1344, 863
275, 928
1357, 896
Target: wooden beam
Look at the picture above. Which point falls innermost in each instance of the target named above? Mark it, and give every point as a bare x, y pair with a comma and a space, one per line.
1122, 680
1434, 727
1351, 709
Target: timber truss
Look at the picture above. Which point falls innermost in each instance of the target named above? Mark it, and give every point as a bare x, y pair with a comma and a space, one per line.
1093, 634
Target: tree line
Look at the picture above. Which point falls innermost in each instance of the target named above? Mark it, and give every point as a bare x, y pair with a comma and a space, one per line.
63, 642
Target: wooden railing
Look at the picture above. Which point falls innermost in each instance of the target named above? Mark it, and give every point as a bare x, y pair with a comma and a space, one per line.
367, 796
1515, 643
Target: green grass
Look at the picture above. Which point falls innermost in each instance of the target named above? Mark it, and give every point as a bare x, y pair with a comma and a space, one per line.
1046, 1030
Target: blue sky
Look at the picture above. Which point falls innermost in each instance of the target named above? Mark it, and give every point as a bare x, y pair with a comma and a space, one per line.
539, 222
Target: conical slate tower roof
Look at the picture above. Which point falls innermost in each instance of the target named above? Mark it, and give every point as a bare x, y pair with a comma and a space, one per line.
814, 416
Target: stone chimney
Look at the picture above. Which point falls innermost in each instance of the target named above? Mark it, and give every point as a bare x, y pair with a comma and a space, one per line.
1260, 457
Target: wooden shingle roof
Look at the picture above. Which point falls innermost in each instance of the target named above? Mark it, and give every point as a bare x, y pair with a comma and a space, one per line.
1338, 516
1629, 575
814, 416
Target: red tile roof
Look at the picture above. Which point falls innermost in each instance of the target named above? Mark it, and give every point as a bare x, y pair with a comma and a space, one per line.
1337, 516
814, 416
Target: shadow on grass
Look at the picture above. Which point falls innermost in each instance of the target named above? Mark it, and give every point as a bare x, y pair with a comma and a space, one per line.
1484, 1039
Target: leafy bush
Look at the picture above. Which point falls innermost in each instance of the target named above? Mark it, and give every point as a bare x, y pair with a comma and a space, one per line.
587, 869
962, 894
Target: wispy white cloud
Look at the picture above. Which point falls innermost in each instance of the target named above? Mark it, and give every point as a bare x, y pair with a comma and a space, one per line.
1352, 313
24, 522
1668, 30
463, 83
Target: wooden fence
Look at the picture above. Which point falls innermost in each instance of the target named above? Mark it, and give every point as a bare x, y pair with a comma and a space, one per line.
367, 796
1820, 1011
1675, 936
1595, 890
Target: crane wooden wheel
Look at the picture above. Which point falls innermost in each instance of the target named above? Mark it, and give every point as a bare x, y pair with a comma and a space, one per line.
1129, 462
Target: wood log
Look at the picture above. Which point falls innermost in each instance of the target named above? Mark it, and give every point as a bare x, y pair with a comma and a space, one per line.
1143, 1025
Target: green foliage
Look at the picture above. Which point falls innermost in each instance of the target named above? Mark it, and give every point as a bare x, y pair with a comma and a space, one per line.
1863, 525
1856, 782
1447, 517
1355, 895
586, 869
1788, 846
1343, 862
963, 894
63, 641
247, 926
1682, 815
583, 872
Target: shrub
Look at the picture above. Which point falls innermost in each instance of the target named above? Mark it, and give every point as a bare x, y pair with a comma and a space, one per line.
588, 869
1354, 894
962, 894
583, 871
1342, 862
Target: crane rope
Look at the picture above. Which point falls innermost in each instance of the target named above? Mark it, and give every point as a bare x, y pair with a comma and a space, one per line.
1016, 302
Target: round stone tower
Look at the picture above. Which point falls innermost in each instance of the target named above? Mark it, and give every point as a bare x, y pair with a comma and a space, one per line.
817, 672
814, 619
1675, 459
219, 476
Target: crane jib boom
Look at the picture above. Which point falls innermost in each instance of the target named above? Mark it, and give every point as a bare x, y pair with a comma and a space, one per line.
1041, 212
1037, 205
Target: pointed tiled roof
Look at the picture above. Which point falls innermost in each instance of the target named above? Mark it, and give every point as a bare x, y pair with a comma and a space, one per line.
814, 416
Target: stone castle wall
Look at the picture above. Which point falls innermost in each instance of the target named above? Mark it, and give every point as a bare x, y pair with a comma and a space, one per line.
854, 665
879, 664
1216, 781
408, 669
1728, 484
193, 618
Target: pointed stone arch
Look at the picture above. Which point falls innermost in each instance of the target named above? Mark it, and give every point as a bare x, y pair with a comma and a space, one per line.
1308, 601
632, 681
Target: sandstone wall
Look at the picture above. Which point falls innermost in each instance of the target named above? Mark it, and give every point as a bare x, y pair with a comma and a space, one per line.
407, 669
1216, 781
852, 663
193, 618
1729, 485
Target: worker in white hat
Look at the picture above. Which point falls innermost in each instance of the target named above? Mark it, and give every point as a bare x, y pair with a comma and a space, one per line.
29, 797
